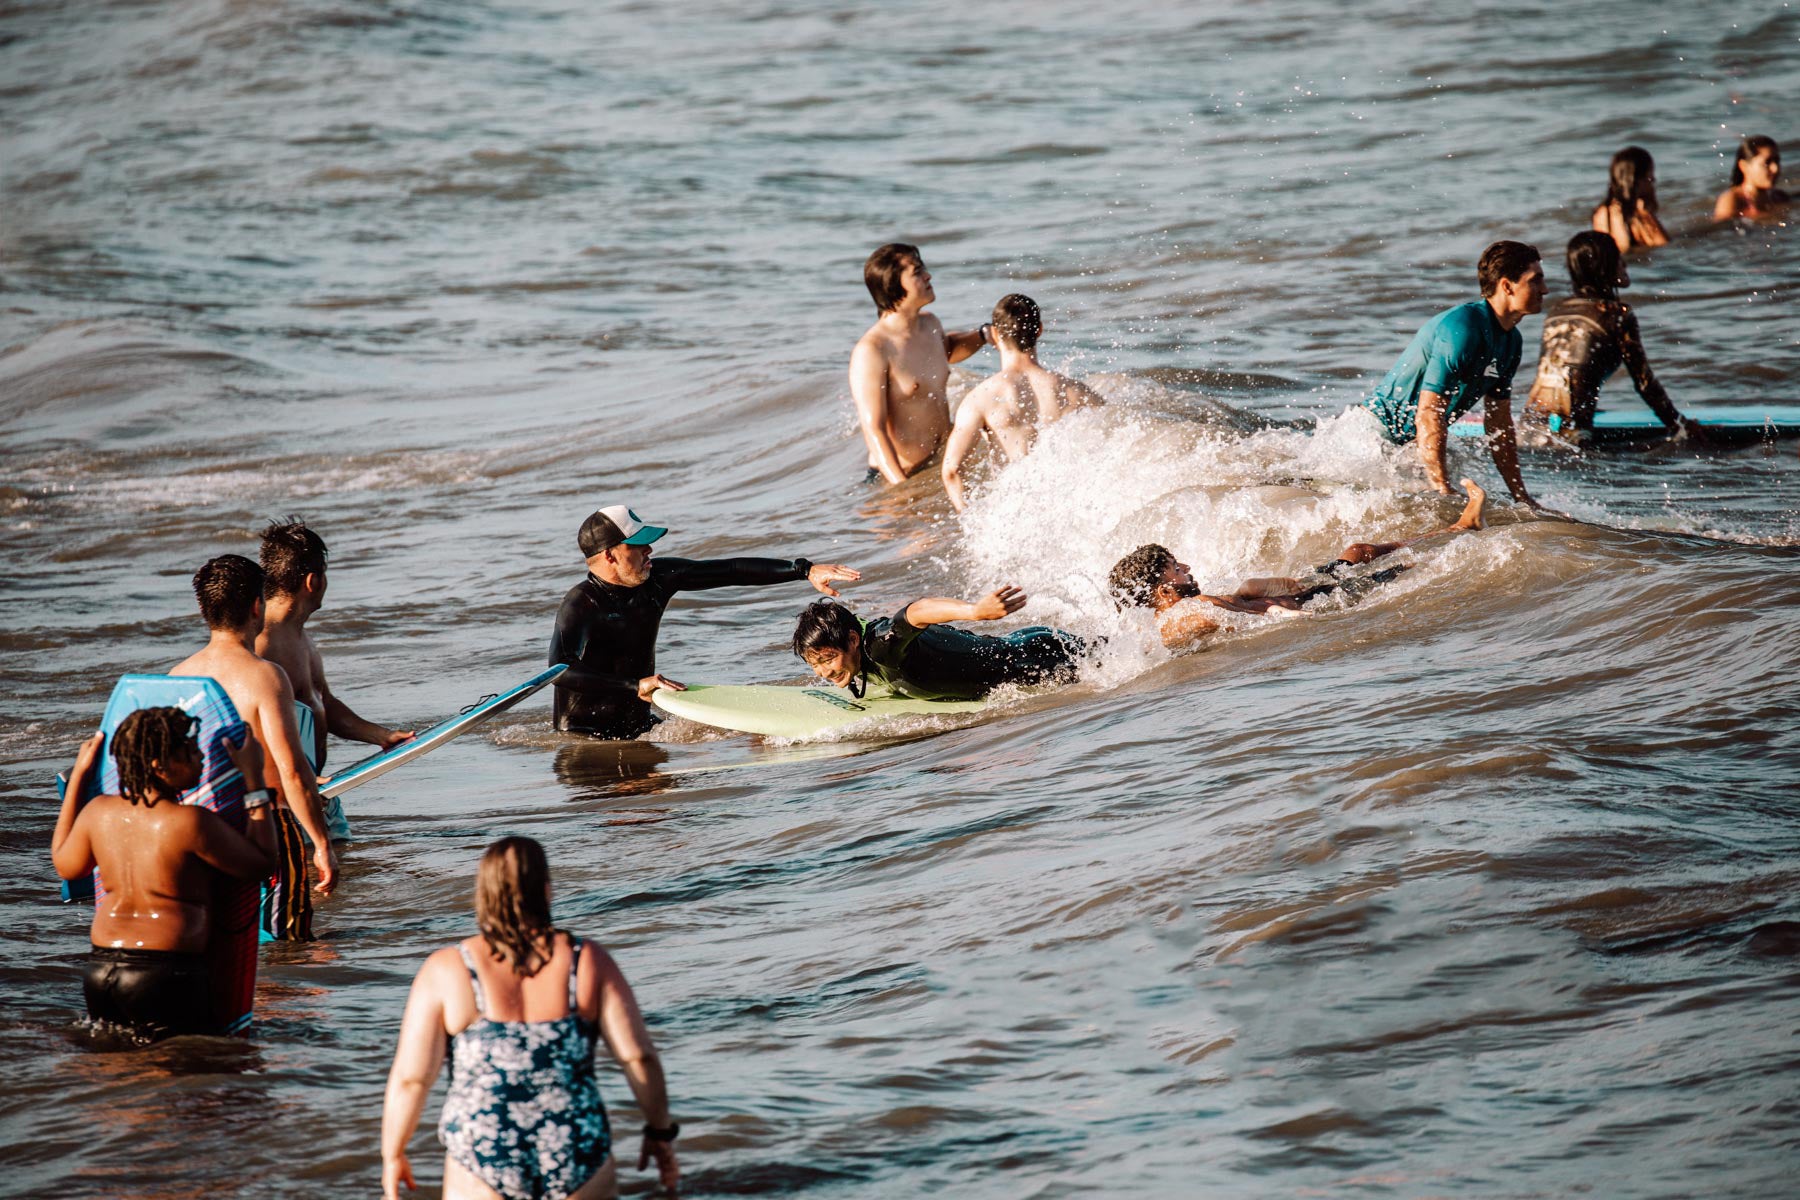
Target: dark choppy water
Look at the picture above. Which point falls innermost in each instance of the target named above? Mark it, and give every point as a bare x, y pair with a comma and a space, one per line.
1483, 888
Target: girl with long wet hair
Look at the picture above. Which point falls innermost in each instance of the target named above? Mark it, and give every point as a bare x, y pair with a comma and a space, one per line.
1628, 214
1753, 176
1586, 337
520, 1006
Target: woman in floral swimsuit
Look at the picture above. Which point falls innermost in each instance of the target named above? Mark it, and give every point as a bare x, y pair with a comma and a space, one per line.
520, 1007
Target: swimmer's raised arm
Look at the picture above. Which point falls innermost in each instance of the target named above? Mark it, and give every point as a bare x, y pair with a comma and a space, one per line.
936, 610
73, 856
958, 346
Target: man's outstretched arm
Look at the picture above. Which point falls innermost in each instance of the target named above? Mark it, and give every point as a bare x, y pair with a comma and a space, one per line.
958, 346
937, 610
869, 390
342, 721
701, 574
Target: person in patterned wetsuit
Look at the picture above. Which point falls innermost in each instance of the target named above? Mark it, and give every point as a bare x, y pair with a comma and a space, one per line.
1587, 336
520, 1007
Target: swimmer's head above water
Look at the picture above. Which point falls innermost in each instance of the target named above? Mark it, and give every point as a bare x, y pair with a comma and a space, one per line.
1596, 268
230, 591
828, 638
895, 275
1151, 577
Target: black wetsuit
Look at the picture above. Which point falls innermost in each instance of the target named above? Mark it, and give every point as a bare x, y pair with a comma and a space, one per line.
941, 662
607, 635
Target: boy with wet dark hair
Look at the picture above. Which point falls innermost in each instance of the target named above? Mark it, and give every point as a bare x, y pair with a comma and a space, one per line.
230, 591
1010, 407
901, 366
1463, 356
294, 579
914, 652
146, 971
1152, 577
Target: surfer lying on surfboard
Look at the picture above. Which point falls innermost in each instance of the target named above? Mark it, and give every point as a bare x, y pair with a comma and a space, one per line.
1152, 577
915, 652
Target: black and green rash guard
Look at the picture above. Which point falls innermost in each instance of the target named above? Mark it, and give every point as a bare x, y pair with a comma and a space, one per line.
941, 662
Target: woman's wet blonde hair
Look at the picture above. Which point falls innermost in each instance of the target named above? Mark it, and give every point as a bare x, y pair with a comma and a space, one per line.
512, 904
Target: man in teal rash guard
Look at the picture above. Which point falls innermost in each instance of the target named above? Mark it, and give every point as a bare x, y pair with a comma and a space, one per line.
1462, 356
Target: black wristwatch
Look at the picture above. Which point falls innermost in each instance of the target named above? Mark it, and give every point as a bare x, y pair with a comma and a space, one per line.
653, 1134
805, 565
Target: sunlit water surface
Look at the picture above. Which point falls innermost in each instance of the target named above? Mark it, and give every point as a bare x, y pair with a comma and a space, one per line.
1484, 886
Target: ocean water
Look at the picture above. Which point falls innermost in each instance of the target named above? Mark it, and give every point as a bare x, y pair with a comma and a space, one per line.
1483, 886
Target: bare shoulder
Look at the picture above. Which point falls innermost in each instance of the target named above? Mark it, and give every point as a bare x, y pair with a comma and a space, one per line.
442, 967
598, 966
1078, 393
978, 399
875, 341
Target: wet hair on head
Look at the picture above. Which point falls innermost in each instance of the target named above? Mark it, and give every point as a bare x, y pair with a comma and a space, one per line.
1133, 578
150, 735
1631, 174
825, 625
1749, 148
228, 588
1504, 260
1594, 265
512, 904
1017, 319
290, 552
882, 272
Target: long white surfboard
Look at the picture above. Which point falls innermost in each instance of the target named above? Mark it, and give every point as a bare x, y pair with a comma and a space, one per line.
360, 772
778, 711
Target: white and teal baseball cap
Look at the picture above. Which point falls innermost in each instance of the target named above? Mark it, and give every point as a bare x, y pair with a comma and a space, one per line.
612, 526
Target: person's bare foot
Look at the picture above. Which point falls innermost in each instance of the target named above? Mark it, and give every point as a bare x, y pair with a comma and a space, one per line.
1471, 513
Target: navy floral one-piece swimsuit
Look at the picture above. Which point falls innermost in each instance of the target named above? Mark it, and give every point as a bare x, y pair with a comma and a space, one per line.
524, 1112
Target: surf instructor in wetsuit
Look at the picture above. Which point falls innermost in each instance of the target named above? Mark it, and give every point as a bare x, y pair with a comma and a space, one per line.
606, 627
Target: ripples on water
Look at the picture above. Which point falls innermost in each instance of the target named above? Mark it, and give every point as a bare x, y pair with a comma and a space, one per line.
1483, 886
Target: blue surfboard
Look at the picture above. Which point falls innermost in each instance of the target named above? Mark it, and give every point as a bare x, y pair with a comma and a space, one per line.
363, 770
1726, 424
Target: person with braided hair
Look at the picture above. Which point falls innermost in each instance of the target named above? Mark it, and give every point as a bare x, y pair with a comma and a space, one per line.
146, 973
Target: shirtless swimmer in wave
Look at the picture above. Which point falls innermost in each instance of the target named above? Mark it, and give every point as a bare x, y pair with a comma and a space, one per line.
1151, 577
900, 367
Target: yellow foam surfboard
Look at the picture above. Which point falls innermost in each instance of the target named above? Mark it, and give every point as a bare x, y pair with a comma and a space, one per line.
795, 712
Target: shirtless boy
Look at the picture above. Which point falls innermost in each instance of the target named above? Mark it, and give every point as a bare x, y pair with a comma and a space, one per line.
1153, 578
230, 589
900, 367
1011, 404
146, 972
293, 563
